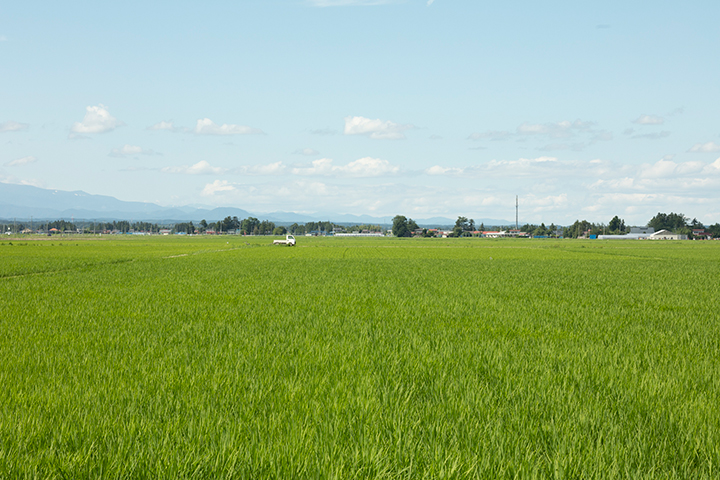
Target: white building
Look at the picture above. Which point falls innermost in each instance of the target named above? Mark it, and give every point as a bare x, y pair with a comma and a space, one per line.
667, 235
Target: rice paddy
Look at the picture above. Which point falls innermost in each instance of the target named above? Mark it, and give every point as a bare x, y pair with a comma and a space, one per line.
226, 357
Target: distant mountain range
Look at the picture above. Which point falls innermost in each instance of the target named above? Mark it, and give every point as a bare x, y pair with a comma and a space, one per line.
24, 201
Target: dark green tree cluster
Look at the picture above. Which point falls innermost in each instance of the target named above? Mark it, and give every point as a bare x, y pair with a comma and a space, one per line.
312, 227
714, 230
13, 227
678, 223
675, 222
578, 228
62, 226
297, 229
403, 227
363, 228
616, 226
540, 230
188, 228
463, 227
121, 226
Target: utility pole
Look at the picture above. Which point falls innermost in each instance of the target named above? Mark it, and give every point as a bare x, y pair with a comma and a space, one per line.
516, 212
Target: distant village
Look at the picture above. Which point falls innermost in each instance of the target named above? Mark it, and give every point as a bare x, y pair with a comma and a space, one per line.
661, 227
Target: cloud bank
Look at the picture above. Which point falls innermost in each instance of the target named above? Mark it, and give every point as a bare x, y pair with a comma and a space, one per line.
377, 129
21, 161
205, 126
97, 120
11, 126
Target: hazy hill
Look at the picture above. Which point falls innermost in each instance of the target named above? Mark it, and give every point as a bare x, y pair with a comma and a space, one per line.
25, 201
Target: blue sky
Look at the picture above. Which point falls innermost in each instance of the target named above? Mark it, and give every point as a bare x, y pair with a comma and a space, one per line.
585, 110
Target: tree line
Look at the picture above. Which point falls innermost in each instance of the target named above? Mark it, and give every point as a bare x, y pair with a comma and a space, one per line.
674, 222
401, 227
253, 226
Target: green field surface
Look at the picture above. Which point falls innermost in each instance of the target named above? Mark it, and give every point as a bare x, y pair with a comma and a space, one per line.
226, 357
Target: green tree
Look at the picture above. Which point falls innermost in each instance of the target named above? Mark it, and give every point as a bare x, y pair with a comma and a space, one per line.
668, 221
184, 227
579, 228
280, 231
540, 231
714, 230
266, 227
400, 226
249, 225
616, 225
463, 227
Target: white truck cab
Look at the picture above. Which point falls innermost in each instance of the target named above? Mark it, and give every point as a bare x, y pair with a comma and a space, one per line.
289, 241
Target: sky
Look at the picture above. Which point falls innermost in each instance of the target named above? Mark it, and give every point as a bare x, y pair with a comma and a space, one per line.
424, 108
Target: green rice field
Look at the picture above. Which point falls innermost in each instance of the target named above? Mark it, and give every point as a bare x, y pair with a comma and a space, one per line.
226, 357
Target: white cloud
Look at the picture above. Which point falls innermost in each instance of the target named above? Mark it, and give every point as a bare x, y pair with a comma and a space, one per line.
708, 147
3, 38
11, 179
97, 120
277, 168
377, 128
523, 167
649, 120
21, 161
430, 2
438, 170
164, 126
127, 150
690, 168
11, 126
547, 203
363, 167
562, 129
559, 130
661, 169
215, 187
369, 167
205, 126
200, 168
713, 168
306, 151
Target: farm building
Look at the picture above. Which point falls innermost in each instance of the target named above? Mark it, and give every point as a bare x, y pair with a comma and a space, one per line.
667, 235
629, 236
701, 234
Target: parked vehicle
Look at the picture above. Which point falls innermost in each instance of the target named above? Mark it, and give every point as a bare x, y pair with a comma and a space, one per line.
289, 241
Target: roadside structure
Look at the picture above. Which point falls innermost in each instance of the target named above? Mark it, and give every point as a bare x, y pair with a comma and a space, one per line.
667, 235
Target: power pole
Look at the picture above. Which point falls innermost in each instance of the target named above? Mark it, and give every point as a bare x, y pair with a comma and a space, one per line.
516, 212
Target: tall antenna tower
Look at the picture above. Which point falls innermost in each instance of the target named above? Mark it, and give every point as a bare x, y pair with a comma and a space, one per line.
516, 212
